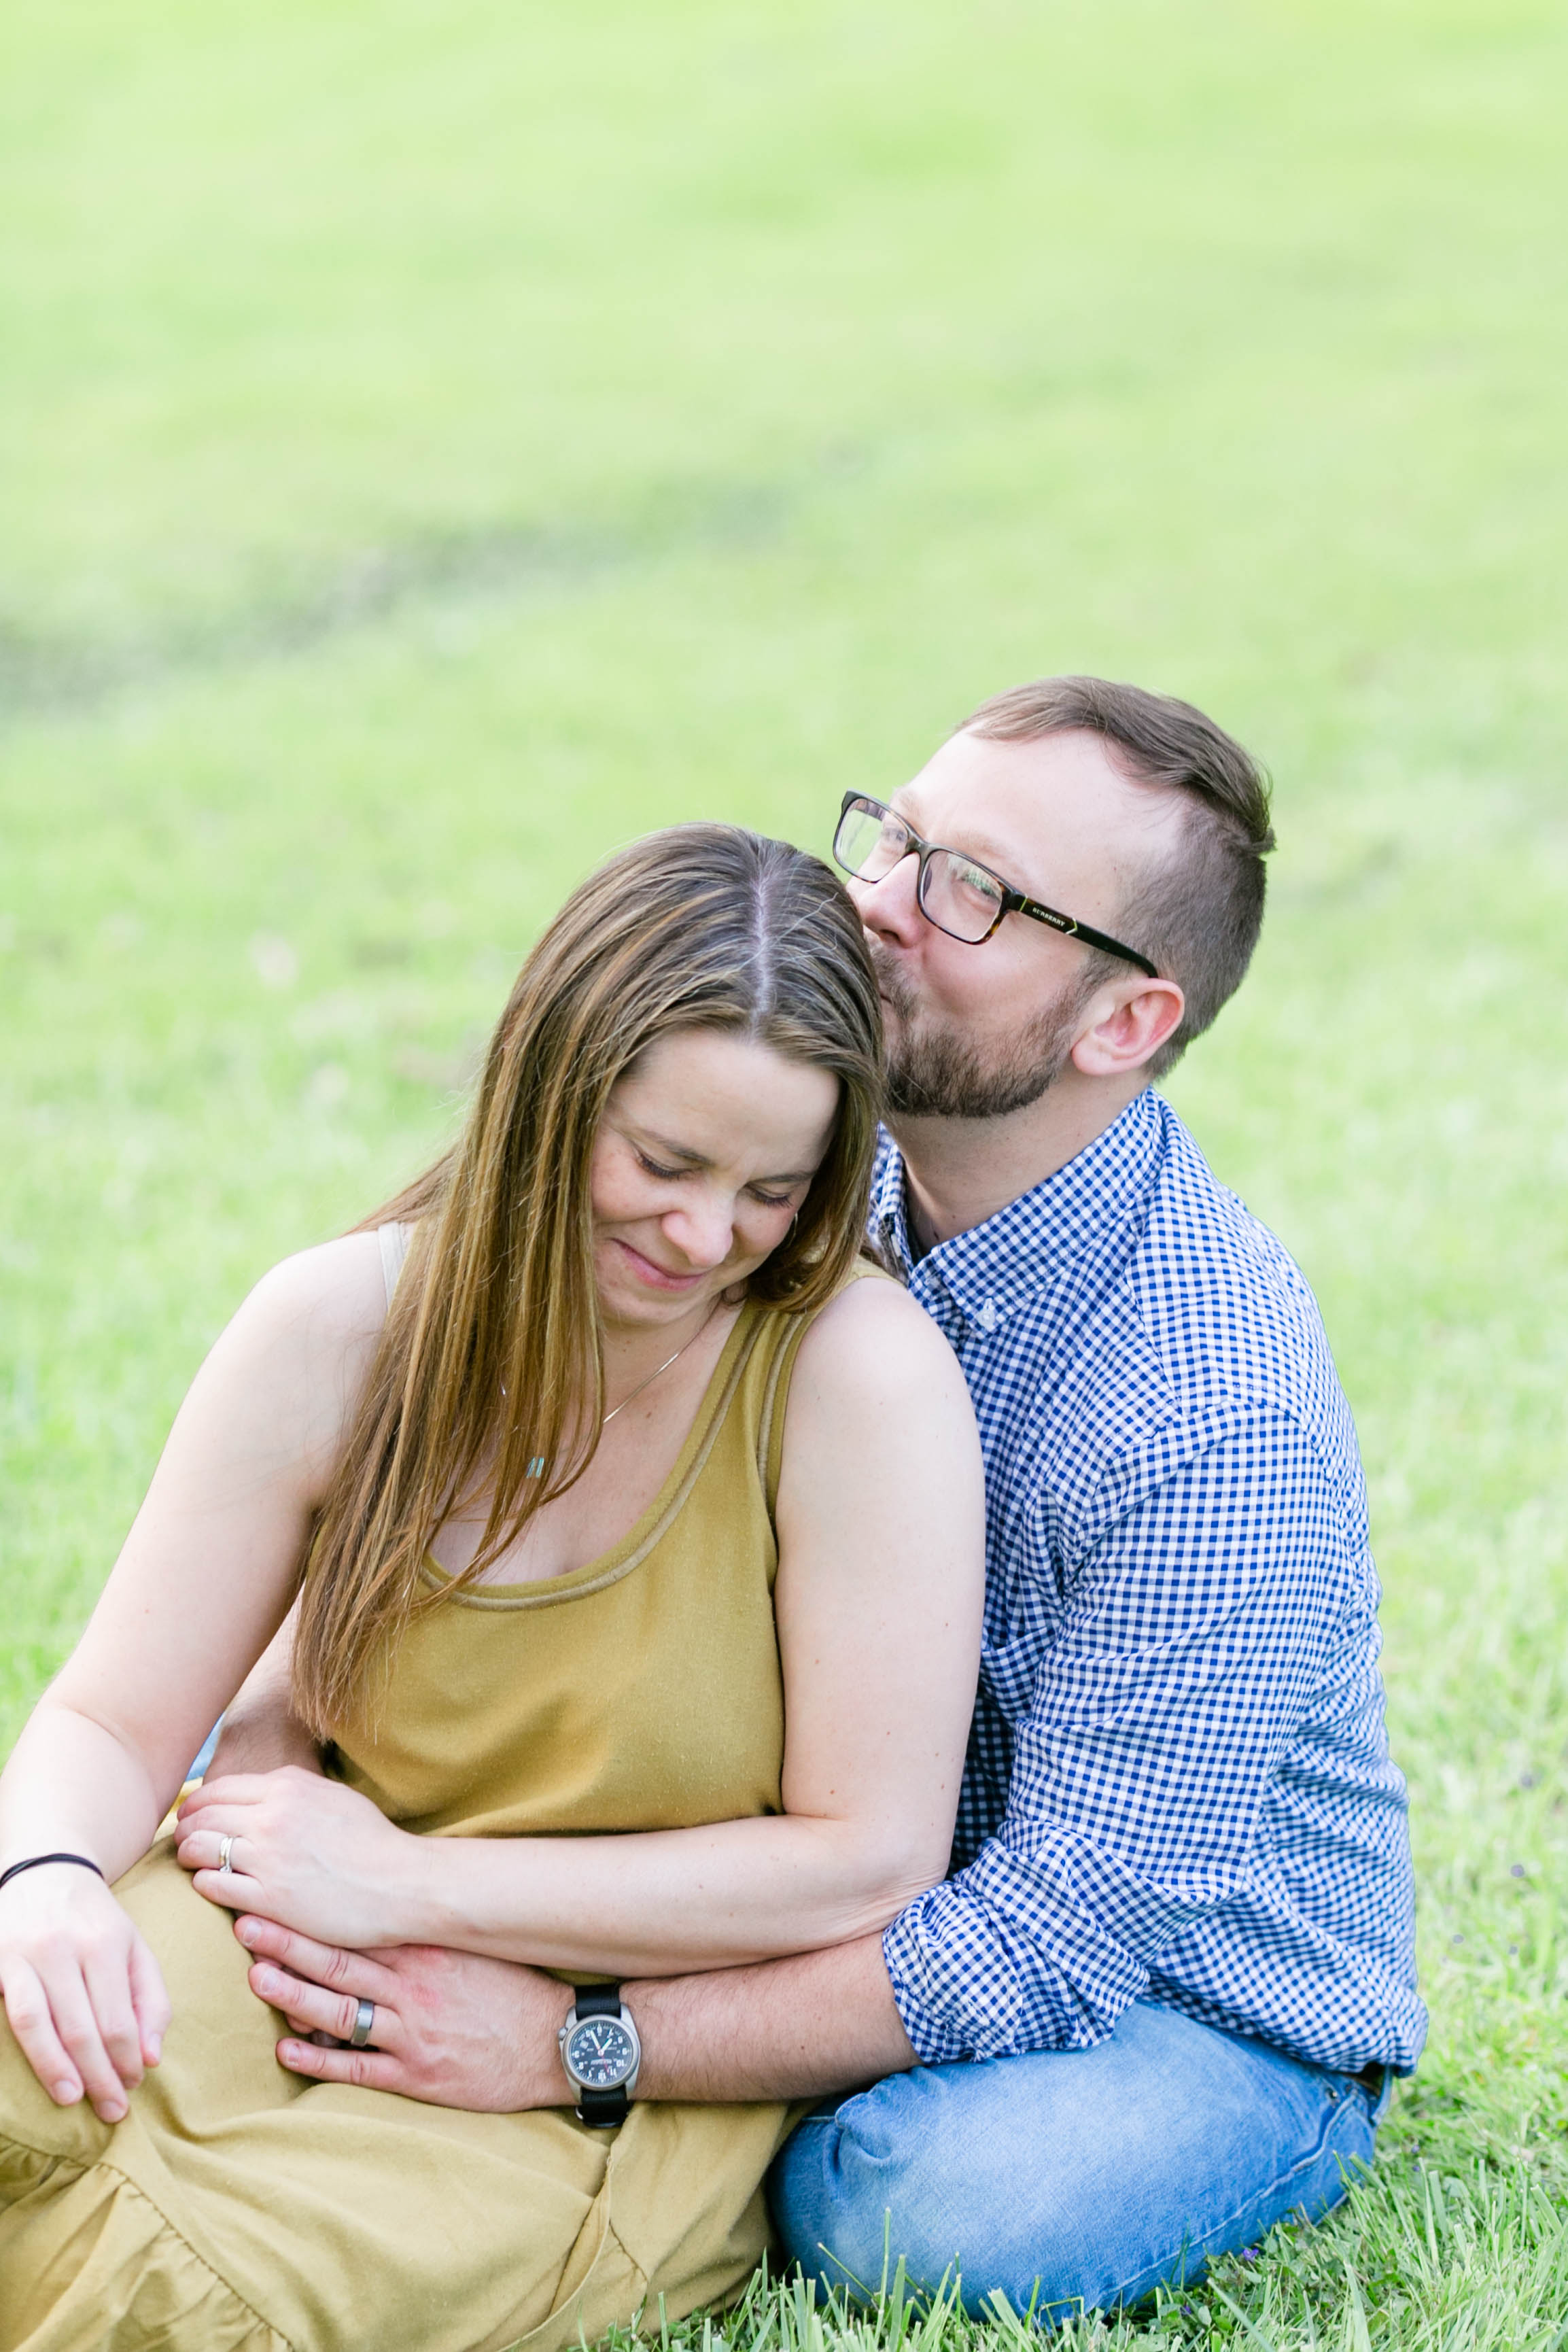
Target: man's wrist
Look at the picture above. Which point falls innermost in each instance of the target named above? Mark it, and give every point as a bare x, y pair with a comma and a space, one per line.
549, 2084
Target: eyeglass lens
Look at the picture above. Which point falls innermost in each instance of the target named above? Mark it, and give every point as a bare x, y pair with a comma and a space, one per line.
959, 897
870, 841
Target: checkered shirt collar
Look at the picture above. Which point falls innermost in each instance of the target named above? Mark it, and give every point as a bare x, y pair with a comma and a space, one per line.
1074, 1216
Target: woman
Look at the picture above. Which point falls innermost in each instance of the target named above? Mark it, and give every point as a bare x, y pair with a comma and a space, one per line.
537, 1501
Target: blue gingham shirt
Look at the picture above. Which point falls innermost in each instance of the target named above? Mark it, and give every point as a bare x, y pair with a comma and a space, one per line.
1178, 1785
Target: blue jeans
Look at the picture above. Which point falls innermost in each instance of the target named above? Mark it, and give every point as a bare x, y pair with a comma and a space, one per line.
1092, 2175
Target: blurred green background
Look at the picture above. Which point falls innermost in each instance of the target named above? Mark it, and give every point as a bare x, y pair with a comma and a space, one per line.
441, 442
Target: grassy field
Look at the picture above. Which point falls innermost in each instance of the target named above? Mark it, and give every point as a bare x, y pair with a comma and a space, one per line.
439, 442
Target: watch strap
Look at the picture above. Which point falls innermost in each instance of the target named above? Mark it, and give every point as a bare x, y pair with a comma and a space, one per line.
602, 2110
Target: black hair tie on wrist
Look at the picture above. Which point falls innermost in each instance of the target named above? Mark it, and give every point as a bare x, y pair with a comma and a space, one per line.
36, 1862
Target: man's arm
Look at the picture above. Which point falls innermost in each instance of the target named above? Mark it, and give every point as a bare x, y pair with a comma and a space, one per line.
461, 2031
794, 2029
261, 1732
1144, 1750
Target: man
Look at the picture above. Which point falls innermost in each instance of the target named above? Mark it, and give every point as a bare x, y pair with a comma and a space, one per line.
1155, 2006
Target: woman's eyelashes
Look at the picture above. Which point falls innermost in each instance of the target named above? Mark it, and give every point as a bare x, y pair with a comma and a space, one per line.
667, 1176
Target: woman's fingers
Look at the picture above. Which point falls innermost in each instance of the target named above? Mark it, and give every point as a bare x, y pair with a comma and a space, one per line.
107, 1978
311, 2009
202, 1852
75, 1976
203, 1849
149, 1999
233, 1789
27, 2008
76, 2026
230, 1889
373, 2069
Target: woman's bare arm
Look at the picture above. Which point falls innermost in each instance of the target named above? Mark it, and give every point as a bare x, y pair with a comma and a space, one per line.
209, 1566
200, 1587
881, 1521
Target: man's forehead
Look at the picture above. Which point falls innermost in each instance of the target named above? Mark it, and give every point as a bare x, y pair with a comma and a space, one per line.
1058, 794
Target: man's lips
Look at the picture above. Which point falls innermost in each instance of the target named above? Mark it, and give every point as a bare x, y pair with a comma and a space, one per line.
656, 1276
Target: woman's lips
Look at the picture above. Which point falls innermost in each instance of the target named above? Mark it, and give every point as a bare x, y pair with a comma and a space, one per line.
656, 1276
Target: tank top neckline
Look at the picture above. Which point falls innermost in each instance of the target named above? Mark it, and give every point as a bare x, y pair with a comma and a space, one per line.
594, 1575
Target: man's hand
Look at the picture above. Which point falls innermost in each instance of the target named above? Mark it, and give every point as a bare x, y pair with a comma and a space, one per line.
450, 2028
460, 2030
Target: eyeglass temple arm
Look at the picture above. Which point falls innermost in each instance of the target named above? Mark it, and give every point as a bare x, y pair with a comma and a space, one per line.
1019, 904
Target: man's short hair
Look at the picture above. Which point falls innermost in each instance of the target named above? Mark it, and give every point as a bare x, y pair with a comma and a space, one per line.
1196, 915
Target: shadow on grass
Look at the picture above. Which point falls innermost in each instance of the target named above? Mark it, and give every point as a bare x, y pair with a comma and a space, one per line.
45, 674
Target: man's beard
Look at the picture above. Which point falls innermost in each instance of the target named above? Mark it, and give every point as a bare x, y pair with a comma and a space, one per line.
936, 1074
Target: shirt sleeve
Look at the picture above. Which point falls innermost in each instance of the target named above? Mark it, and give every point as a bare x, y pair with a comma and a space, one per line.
1193, 1631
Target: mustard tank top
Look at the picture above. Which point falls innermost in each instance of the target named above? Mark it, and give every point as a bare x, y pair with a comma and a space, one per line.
639, 1692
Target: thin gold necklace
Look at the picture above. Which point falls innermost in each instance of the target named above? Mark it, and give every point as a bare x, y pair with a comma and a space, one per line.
537, 1464
665, 1367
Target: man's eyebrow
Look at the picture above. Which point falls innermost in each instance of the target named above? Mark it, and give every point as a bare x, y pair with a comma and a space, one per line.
673, 1150
987, 852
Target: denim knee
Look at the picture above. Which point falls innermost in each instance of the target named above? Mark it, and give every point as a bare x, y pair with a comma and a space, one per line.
1084, 2177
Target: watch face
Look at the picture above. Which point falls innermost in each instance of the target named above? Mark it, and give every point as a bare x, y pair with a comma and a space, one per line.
600, 2053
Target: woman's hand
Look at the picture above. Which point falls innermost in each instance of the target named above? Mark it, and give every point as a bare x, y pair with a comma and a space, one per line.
84, 1994
306, 1852
449, 2028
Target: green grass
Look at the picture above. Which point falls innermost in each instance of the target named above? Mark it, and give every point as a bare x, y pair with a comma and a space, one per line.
441, 442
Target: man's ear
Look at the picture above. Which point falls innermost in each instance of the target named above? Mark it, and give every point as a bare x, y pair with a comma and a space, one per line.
1133, 1019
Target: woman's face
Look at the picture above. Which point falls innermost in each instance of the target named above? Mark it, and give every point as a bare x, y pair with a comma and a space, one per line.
706, 1150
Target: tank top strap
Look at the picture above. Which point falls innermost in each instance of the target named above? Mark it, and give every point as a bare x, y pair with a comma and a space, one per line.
394, 1240
776, 1387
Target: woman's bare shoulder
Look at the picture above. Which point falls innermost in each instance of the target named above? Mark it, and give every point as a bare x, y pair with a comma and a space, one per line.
873, 1341
286, 1376
299, 1346
332, 1293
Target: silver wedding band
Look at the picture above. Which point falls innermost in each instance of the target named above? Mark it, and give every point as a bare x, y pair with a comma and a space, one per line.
364, 2020
225, 1847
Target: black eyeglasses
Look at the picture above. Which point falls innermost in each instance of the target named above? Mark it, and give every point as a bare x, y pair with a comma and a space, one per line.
963, 898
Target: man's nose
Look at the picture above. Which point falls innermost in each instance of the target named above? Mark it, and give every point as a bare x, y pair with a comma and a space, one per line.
890, 907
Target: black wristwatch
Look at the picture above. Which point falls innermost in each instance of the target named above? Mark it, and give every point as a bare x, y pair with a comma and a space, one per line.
601, 2053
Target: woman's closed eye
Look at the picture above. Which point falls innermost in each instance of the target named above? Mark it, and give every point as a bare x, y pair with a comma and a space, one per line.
651, 1167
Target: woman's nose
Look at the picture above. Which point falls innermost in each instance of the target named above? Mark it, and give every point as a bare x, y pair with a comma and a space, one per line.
701, 1231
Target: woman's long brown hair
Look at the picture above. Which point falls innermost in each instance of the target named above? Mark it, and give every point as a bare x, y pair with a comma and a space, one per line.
704, 926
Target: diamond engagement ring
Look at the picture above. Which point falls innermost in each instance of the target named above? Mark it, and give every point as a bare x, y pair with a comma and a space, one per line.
364, 2022
225, 1847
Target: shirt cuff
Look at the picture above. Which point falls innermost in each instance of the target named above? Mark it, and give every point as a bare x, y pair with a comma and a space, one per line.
961, 1992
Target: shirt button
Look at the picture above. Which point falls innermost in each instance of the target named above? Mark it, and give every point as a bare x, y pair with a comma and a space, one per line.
987, 1319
